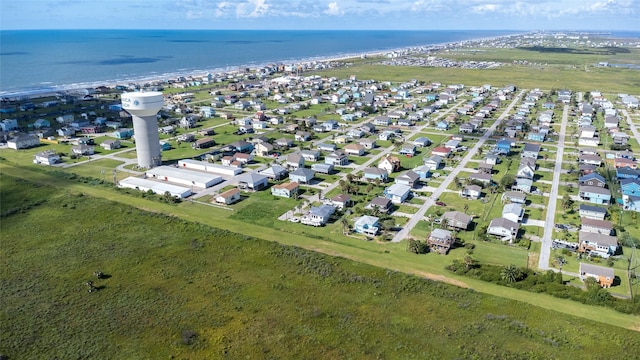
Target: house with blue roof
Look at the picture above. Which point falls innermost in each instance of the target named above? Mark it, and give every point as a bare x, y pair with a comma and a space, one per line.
535, 136
631, 202
592, 179
630, 187
503, 147
123, 133
627, 173
367, 225
442, 125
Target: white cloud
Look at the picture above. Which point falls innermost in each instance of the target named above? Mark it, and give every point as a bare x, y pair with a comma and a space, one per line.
252, 9
485, 8
333, 9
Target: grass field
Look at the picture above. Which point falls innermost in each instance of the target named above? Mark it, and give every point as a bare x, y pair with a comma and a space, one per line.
609, 80
185, 290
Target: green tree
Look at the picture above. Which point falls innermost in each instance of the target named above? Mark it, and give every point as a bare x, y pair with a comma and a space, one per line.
469, 263
506, 181
511, 273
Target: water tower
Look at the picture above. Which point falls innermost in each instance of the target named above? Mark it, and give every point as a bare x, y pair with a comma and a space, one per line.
144, 107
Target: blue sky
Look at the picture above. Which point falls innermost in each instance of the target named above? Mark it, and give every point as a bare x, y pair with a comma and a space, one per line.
321, 14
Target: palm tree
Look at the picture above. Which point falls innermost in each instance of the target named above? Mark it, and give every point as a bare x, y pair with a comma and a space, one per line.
444, 223
345, 225
511, 273
466, 207
469, 262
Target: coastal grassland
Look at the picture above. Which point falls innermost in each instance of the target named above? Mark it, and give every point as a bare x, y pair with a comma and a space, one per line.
328, 240
186, 290
548, 55
609, 80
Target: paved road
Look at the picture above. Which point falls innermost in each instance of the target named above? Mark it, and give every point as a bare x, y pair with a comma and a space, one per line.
402, 234
632, 126
545, 248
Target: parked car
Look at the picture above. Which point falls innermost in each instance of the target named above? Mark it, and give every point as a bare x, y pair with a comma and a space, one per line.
440, 203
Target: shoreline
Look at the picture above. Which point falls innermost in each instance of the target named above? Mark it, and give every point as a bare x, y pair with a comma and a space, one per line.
52, 90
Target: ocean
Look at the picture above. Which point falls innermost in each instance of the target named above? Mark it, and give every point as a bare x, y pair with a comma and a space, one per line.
50, 60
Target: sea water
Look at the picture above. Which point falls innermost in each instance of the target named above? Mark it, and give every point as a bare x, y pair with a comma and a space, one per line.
43, 60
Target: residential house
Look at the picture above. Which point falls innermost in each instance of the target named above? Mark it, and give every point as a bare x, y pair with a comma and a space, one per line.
327, 147
491, 159
408, 150
284, 143
514, 197
422, 142
47, 157
590, 159
397, 193
472, 192
441, 151
294, 161
592, 212
367, 225
354, 149
389, 163
536, 136
440, 241
631, 202
318, 215
373, 173
513, 212
302, 175
484, 168
423, 171
603, 275
480, 178
409, 178
322, 168
111, 144
627, 173
275, 172
242, 146
252, 181
228, 197
337, 158
630, 187
341, 201
596, 226
386, 135
382, 204
457, 220
367, 143
286, 190
122, 133
530, 150
594, 194
433, 162
82, 150
503, 147
442, 125
382, 120
264, 149
624, 163
598, 244
310, 155
524, 185
525, 170
23, 142
593, 179
303, 136
504, 229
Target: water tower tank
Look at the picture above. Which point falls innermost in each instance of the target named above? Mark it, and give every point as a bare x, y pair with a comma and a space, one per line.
144, 107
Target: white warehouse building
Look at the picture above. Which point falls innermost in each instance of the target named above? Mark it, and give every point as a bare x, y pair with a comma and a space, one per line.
157, 187
209, 167
183, 176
